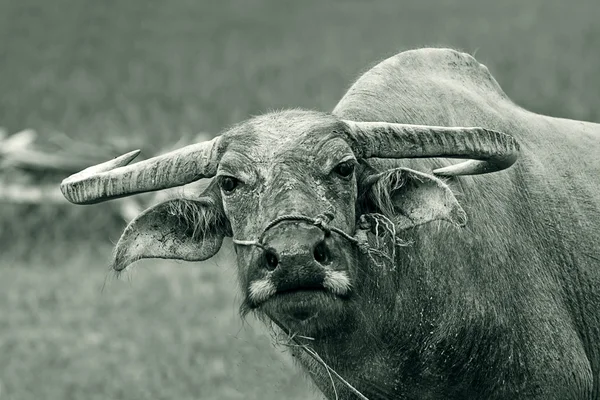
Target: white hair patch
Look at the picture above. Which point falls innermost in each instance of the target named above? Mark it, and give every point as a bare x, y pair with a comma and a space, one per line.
337, 281
261, 290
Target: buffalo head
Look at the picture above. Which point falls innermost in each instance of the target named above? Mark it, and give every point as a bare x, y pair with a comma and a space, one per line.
295, 191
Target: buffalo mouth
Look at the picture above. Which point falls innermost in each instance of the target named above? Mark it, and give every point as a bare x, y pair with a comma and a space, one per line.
301, 289
302, 294
298, 299
264, 290
302, 304
268, 293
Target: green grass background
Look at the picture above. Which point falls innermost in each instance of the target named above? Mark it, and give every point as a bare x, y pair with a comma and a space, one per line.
150, 71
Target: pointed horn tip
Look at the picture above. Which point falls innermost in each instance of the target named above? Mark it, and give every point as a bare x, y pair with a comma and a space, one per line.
477, 167
116, 162
127, 157
106, 166
447, 172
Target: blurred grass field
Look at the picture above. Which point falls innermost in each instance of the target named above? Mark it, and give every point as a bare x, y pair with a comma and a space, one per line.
151, 71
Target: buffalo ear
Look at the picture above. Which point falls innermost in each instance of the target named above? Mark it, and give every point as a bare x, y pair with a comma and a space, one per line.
179, 229
411, 198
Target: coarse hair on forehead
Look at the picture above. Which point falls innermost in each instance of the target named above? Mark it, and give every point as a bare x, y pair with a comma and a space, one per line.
279, 129
298, 120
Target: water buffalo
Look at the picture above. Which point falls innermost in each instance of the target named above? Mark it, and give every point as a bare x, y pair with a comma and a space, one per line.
397, 271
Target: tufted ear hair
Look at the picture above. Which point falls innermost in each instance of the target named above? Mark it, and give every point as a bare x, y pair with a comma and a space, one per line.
180, 229
411, 198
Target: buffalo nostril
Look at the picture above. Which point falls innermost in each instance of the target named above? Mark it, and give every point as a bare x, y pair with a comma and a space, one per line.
272, 259
321, 253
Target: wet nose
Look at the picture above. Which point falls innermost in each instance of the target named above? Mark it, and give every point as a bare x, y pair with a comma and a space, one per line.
296, 244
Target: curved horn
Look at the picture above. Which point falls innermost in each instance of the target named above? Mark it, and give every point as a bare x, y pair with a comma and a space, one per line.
488, 150
115, 178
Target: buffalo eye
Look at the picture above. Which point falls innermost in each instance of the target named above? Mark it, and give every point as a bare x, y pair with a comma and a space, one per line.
228, 184
344, 169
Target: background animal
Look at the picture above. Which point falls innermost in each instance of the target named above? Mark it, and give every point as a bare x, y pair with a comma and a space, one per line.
187, 68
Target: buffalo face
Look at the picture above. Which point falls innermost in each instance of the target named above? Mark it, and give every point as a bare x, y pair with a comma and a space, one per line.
296, 193
284, 185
